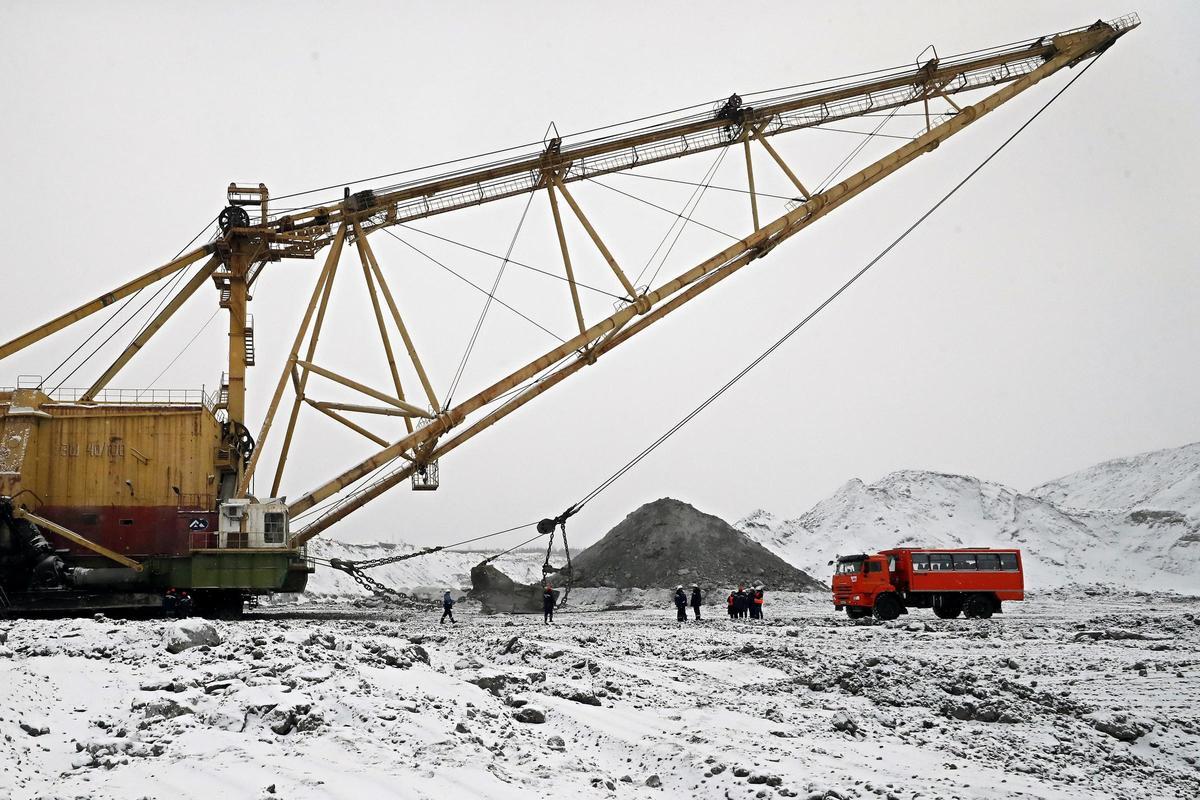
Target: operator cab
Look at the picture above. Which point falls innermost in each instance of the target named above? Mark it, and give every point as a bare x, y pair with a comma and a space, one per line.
860, 568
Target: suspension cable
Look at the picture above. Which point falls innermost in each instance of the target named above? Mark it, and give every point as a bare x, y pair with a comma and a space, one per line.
832, 176
699, 195
512, 261
115, 312
183, 349
462, 365
692, 183
643, 200
472, 284
574, 509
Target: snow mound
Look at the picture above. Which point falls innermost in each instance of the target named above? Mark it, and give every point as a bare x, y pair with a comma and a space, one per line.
668, 542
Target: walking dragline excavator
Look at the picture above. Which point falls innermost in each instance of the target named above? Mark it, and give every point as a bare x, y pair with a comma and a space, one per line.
111, 496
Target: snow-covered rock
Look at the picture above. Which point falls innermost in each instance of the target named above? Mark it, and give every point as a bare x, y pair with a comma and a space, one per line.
188, 633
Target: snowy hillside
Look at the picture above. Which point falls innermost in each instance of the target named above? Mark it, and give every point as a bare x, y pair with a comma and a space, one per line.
1132, 522
1157, 481
424, 575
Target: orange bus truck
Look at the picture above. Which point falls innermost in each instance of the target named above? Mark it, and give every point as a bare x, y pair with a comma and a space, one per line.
970, 581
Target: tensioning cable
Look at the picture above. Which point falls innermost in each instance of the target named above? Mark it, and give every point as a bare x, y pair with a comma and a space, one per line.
547, 527
560, 520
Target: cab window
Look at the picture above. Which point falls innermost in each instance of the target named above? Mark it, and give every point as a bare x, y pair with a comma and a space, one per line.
874, 566
849, 567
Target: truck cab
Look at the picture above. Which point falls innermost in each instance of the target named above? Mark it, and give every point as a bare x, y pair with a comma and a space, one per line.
858, 580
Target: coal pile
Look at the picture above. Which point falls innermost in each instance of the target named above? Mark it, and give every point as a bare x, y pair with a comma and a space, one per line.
668, 542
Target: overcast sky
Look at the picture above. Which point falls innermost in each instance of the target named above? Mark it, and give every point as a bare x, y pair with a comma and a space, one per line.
1043, 320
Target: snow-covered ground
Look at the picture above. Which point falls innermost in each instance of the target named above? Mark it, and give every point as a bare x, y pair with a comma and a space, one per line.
1132, 522
1063, 696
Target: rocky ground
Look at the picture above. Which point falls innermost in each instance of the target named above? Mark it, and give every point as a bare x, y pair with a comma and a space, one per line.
1064, 696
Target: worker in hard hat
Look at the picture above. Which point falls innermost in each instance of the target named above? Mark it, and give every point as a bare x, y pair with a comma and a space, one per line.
696, 600
183, 605
548, 605
741, 602
168, 602
447, 607
681, 603
756, 603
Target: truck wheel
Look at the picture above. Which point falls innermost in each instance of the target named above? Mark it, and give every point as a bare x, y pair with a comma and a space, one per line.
947, 606
978, 606
887, 607
857, 612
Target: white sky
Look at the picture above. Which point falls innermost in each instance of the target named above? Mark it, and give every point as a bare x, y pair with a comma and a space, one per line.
1043, 320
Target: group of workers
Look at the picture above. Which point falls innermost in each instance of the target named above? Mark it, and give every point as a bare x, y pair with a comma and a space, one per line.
744, 603
177, 603
682, 602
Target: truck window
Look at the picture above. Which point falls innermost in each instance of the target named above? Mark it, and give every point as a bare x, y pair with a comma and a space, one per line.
1008, 561
874, 566
989, 561
964, 561
848, 567
938, 561
920, 562
891, 563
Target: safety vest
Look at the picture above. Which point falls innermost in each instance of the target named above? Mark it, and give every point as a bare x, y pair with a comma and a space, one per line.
730, 601
758, 599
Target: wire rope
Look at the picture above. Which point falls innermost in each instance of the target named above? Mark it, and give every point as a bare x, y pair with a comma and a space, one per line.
472, 284
514, 262
462, 366
709, 174
603, 485
117, 311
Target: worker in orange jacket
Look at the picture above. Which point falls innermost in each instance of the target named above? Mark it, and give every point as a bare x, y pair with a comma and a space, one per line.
729, 601
756, 603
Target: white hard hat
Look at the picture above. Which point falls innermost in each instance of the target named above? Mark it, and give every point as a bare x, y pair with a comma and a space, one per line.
679, 586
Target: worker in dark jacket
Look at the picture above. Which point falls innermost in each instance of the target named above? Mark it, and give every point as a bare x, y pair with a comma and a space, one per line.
757, 603
183, 605
447, 608
168, 602
740, 602
681, 603
731, 603
696, 600
548, 605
